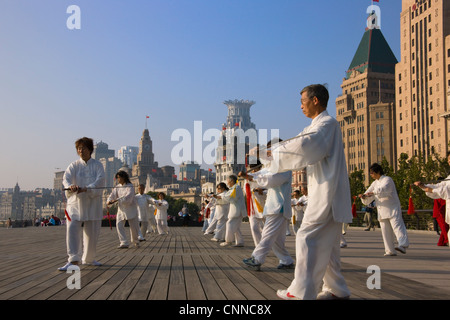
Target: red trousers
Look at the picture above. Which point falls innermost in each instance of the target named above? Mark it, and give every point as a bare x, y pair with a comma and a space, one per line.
443, 239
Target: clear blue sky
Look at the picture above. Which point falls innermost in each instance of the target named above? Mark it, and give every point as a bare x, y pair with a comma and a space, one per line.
173, 60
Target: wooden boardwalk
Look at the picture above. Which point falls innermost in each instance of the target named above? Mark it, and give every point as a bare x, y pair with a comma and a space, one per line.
186, 266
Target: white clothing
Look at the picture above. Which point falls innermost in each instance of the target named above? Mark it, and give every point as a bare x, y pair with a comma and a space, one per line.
389, 212
237, 210
317, 248
277, 212
385, 196
84, 209
144, 201
319, 148
273, 238
127, 204
298, 210
79, 236
221, 215
161, 216
256, 218
87, 205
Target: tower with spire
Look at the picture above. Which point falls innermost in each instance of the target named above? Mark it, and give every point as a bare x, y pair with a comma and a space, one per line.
366, 107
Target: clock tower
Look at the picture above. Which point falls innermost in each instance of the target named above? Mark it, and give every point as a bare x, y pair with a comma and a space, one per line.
145, 159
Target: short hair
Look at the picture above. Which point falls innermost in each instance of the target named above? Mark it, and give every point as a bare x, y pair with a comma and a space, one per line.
319, 91
163, 194
233, 177
273, 141
297, 191
376, 168
87, 142
124, 175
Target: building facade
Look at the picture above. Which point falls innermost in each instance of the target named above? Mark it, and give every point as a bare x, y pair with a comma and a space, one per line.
423, 78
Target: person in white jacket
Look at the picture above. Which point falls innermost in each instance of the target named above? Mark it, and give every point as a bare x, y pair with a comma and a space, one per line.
84, 180
277, 213
221, 214
299, 203
319, 149
145, 212
161, 206
235, 197
124, 195
440, 190
383, 191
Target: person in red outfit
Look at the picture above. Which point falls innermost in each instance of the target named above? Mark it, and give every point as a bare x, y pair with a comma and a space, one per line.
439, 215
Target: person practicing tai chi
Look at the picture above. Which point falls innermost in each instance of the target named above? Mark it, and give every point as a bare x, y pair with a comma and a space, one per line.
319, 149
145, 213
84, 180
277, 213
235, 197
161, 206
124, 195
440, 190
221, 214
298, 203
383, 191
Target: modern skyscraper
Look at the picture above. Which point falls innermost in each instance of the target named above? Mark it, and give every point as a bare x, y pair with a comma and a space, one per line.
128, 155
423, 78
365, 109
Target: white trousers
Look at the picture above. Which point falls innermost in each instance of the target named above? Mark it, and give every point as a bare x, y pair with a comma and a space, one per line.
221, 228
79, 238
162, 226
212, 225
233, 231
273, 238
134, 231
393, 228
318, 259
143, 229
256, 227
152, 223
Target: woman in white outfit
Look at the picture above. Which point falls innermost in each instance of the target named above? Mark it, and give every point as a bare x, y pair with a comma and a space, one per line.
84, 180
221, 214
161, 206
125, 196
383, 191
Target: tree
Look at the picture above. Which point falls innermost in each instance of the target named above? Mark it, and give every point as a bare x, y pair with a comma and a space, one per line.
356, 180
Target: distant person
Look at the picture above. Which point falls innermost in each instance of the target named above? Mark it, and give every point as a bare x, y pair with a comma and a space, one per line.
83, 180
161, 206
383, 191
125, 196
8, 223
220, 213
144, 205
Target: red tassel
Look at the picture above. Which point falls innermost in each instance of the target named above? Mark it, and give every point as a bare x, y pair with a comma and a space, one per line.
67, 215
248, 193
411, 209
354, 207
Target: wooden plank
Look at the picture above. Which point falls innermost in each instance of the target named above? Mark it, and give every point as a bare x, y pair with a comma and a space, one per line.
142, 289
161, 283
177, 286
194, 288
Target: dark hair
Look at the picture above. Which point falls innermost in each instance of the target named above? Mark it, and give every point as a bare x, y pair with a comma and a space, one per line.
163, 194
297, 191
233, 177
223, 186
87, 142
124, 175
319, 91
376, 168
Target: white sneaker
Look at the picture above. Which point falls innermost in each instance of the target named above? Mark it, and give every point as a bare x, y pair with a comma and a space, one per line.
284, 294
401, 249
327, 295
225, 244
66, 266
93, 263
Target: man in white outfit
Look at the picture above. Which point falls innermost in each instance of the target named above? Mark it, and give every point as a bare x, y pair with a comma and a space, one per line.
383, 191
298, 203
319, 148
277, 213
144, 206
84, 180
235, 197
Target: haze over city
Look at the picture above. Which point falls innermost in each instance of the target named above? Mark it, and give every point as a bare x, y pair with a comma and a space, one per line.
173, 61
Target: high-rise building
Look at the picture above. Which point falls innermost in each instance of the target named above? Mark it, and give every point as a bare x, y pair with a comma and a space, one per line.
101, 150
423, 78
365, 109
128, 155
238, 135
